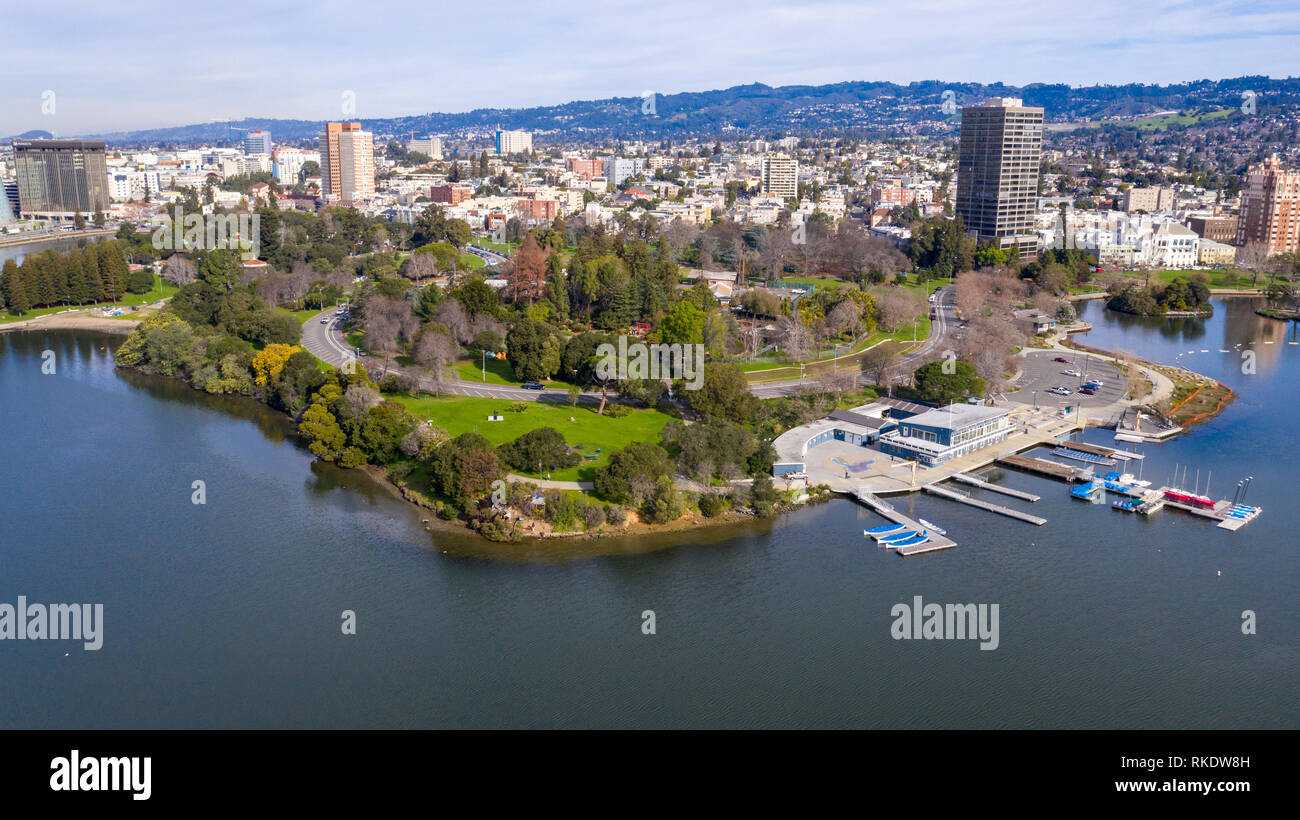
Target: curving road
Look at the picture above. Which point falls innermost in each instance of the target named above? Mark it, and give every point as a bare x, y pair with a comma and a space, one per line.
325, 341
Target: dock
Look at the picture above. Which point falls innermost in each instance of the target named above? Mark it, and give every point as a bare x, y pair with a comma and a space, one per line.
976, 481
944, 492
1042, 466
933, 543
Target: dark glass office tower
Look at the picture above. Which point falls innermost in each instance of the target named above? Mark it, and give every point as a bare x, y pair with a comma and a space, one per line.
997, 172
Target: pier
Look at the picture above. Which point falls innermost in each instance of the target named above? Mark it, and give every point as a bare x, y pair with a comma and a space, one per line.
1042, 466
934, 541
976, 481
944, 492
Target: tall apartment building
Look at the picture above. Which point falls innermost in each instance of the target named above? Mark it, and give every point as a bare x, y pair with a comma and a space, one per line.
347, 162
257, 142
60, 177
618, 169
781, 176
1148, 199
1270, 207
514, 142
431, 147
997, 172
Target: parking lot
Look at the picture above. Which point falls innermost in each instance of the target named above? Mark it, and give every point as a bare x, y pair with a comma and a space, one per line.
1041, 373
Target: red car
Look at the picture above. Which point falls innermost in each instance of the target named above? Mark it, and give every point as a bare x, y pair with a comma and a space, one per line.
1088, 391
1061, 359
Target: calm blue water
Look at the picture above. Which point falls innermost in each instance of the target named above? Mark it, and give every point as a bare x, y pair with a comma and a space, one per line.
227, 614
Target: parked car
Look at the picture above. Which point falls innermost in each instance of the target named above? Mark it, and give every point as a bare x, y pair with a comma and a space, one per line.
1071, 372
1087, 391
1061, 359
532, 385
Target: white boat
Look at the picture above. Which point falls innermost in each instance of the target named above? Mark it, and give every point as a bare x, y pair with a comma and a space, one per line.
931, 527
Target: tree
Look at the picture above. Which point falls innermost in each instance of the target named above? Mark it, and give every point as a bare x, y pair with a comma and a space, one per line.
270, 360
533, 350
937, 387
325, 438
179, 270
631, 472
684, 324
543, 446
477, 298
220, 269
435, 351
763, 495
529, 278
419, 266
724, 394
140, 281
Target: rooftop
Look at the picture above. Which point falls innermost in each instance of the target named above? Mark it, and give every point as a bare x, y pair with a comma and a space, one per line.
955, 416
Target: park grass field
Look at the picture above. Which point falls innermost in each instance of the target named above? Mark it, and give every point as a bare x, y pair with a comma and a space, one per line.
587, 432
499, 371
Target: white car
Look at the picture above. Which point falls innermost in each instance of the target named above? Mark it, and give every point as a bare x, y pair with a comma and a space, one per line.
1071, 372
325, 321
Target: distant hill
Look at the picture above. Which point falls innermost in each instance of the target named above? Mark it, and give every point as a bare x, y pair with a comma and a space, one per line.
29, 135
853, 108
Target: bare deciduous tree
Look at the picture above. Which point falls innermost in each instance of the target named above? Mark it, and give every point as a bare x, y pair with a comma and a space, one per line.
179, 271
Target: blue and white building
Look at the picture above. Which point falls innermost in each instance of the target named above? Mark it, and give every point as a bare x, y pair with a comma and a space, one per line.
944, 433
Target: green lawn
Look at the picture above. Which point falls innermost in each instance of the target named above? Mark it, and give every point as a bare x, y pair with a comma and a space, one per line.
301, 315
469, 261
500, 247
162, 289
587, 432
499, 371
1217, 278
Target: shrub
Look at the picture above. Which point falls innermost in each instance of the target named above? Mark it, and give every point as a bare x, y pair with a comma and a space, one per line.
712, 504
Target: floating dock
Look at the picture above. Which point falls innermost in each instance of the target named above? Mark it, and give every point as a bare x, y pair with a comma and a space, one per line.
933, 542
1080, 455
1042, 466
976, 481
1099, 450
984, 505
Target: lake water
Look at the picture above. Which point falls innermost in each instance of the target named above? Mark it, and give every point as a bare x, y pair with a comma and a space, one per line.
19, 252
228, 614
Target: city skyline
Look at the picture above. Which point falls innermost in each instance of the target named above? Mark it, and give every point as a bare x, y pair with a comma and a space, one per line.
522, 61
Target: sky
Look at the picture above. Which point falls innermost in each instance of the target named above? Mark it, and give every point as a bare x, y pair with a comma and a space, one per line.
128, 65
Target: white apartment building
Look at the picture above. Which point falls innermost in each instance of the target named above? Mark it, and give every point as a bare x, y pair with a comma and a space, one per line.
619, 169
429, 146
133, 186
514, 142
289, 163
